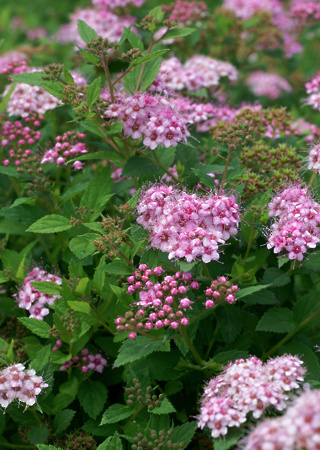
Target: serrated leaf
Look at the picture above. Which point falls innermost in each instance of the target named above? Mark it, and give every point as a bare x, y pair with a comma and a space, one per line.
111, 443
137, 62
137, 166
250, 290
229, 320
97, 193
41, 359
125, 35
67, 76
92, 396
38, 435
63, 420
115, 128
116, 413
150, 73
275, 277
133, 350
228, 441
85, 31
47, 287
135, 41
83, 246
80, 306
38, 327
50, 224
54, 88
277, 320
264, 297
165, 408
157, 13
92, 59
93, 92
184, 433
117, 268
32, 78
47, 447
178, 32
6, 98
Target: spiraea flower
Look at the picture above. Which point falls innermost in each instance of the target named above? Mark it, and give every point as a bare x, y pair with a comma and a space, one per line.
66, 147
113, 4
187, 225
152, 118
31, 299
297, 428
314, 158
266, 84
162, 301
313, 91
86, 361
220, 289
248, 386
198, 72
296, 222
18, 383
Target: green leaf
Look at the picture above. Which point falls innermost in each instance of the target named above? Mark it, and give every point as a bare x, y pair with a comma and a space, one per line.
115, 128
150, 73
146, 58
38, 327
277, 320
157, 13
47, 447
63, 420
67, 76
92, 397
86, 33
38, 434
252, 22
178, 32
41, 359
6, 98
50, 224
83, 246
80, 306
116, 413
93, 92
117, 268
133, 350
135, 41
54, 88
33, 78
137, 166
97, 193
111, 443
229, 320
165, 408
307, 355
275, 277
306, 306
250, 290
47, 287
313, 262
184, 433
92, 59
265, 297
125, 35
228, 441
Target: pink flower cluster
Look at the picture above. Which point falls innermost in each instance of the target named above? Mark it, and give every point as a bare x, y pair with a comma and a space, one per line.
112, 4
105, 23
296, 225
313, 89
297, 428
185, 11
198, 72
18, 383
248, 386
161, 303
66, 147
244, 9
267, 84
300, 126
314, 158
187, 225
32, 299
19, 137
9, 67
86, 362
305, 10
152, 118
220, 289
194, 112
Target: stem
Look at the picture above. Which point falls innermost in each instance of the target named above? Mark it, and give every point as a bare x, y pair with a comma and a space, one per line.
121, 76
102, 322
192, 348
312, 178
293, 333
36, 416
251, 241
205, 269
226, 168
127, 259
15, 446
159, 163
144, 65
108, 140
47, 251
104, 63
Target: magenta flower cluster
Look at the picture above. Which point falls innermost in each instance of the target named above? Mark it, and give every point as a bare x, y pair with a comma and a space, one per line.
66, 147
152, 118
220, 289
296, 222
187, 225
113, 4
32, 299
297, 428
248, 386
314, 158
86, 362
305, 10
18, 383
186, 12
17, 138
264, 84
313, 91
161, 304
198, 72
